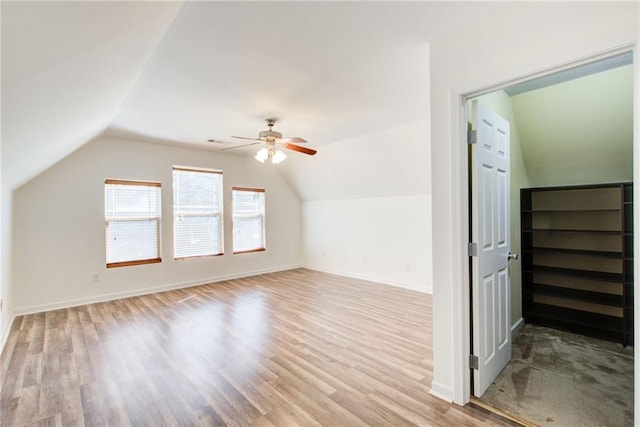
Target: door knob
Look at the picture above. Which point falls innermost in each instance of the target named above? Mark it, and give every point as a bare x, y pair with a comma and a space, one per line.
511, 256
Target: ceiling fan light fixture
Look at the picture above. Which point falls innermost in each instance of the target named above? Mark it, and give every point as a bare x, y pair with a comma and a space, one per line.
278, 157
273, 140
262, 155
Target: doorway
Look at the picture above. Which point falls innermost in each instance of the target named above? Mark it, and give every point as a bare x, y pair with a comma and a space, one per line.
579, 155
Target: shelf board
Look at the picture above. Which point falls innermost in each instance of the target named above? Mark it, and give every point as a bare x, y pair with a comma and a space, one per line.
569, 210
601, 254
577, 317
556, 322
585, 274
556, 230
613, 185
577, 294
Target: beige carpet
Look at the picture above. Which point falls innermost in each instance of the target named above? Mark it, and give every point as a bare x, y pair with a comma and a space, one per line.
557, 378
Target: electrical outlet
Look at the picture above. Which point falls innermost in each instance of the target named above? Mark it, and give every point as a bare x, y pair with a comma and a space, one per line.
95, 277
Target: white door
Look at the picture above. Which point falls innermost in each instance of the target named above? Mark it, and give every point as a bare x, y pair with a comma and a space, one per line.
490, 231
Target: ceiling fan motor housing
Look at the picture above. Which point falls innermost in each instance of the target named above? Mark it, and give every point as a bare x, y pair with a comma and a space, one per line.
270, 134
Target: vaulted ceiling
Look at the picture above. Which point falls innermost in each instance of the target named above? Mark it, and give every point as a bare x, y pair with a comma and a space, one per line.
67, 67
186, 72
352, 73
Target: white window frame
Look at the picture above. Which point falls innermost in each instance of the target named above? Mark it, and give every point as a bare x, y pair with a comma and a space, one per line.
177, 213
261, 215
109, 220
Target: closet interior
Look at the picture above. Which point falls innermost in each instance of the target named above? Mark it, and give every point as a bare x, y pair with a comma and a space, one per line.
577, 259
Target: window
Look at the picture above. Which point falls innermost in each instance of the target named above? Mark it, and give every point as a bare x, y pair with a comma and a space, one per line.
132, 218
248, 220
197, 212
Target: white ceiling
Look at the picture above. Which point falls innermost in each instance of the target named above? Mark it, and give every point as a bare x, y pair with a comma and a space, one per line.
184, 73
327, 71
351, 73
66, 68
580, 131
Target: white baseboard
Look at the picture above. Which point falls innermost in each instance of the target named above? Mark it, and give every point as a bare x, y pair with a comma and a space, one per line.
6, 330
397, 284
441, 392
515, 328
144, 291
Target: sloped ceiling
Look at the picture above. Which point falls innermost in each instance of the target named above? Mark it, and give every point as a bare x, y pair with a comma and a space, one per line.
349, 76
184, 73
580, 131
328, 71
66, 69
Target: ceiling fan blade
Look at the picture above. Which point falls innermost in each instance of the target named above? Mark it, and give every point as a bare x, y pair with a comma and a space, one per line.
300, 149
239, 146
295, 139
244, 137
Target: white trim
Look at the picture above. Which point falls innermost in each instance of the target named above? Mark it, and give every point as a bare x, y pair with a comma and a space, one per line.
460, 211
441, 392
6, 331
516, 327
636, 220
195, 169
460, 256
375, 279
145, 291
489, 88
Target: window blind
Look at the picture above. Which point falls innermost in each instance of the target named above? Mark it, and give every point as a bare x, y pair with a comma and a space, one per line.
132, 218
248, 219
197, 212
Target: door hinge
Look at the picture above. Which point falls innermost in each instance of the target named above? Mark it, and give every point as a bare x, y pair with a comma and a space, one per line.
472, 136
472, 249
473, 362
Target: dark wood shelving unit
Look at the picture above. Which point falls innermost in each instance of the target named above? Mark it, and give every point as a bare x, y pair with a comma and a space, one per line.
577, 259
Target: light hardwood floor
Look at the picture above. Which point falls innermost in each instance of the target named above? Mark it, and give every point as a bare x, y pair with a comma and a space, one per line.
291, 348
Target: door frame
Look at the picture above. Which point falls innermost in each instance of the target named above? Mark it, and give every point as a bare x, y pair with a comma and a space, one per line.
461, 289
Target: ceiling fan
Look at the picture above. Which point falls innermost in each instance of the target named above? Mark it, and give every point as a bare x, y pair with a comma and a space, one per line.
272, 141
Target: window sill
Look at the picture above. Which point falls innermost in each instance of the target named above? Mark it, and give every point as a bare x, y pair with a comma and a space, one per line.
249, 251
130, 263
198, 256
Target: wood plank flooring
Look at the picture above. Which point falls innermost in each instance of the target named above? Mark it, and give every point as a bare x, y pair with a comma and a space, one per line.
295, 348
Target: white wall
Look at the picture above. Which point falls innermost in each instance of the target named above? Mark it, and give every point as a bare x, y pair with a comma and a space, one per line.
59, 225
367, 206
392, 162
5, 263
539, 36
383, 239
